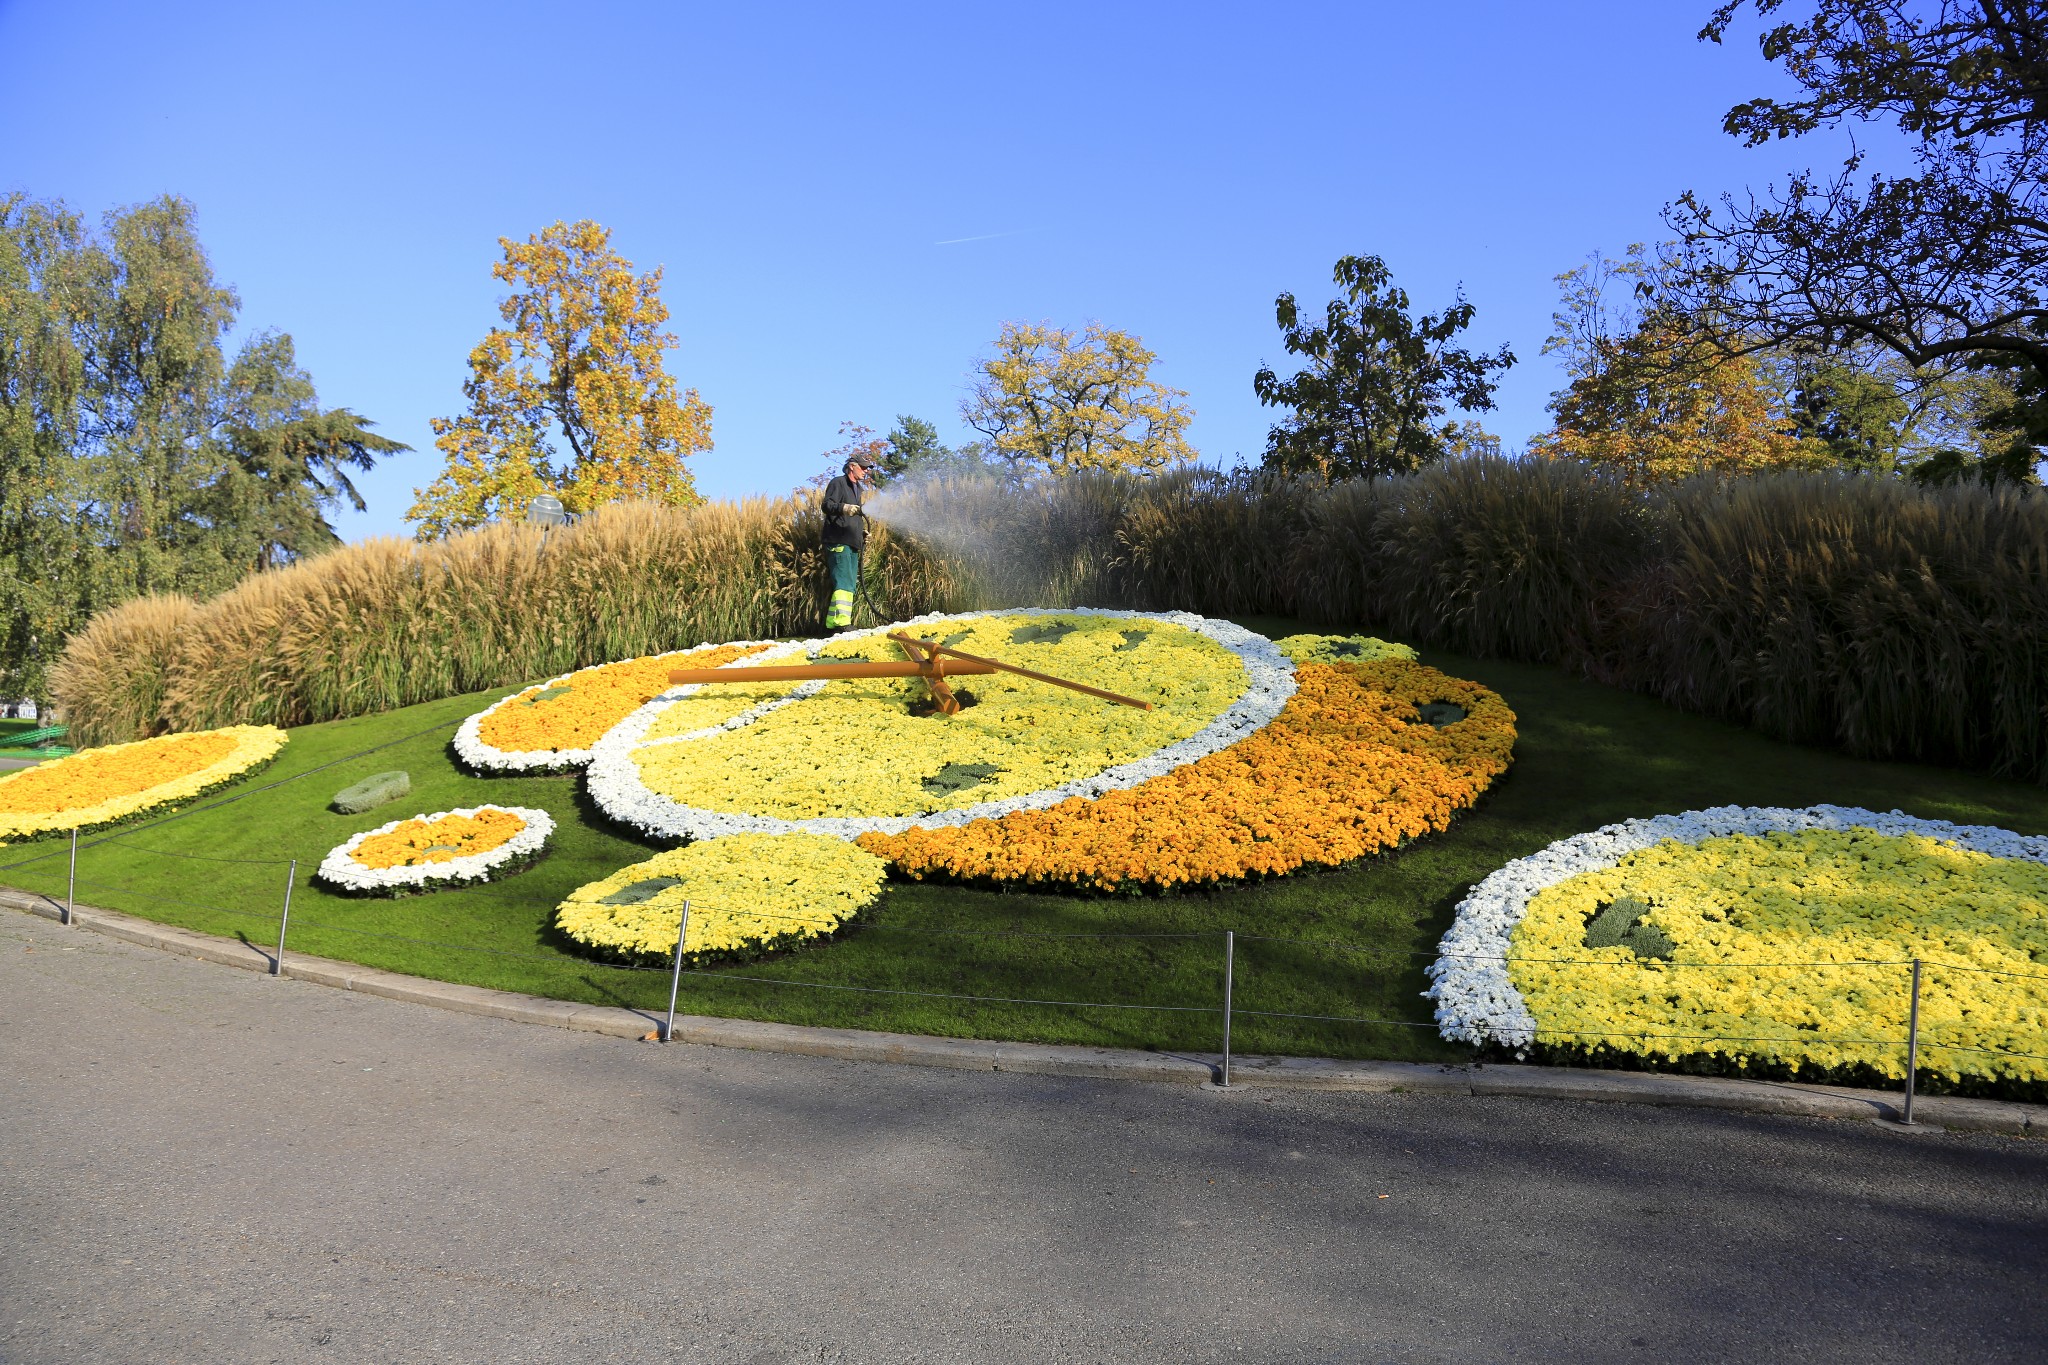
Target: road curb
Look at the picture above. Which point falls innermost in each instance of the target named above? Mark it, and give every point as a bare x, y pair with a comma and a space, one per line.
973, 1054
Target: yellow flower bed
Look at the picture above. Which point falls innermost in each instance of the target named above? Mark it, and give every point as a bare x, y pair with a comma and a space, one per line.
1347, 769
1342, 649
120, 781
856, 747
748, 894
440, 838
1831, 898
570, 713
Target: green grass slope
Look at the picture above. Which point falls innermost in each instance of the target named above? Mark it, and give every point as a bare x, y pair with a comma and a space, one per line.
1587, 755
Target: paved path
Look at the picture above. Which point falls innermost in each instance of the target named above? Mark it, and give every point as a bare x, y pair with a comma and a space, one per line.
197, 1164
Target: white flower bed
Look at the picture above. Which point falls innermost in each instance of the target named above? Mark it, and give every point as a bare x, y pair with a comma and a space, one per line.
1477, 1003
340, 869
471, 748
614, 778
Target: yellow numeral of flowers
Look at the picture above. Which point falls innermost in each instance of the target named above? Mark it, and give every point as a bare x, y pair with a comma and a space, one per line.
1827, 903
107, 785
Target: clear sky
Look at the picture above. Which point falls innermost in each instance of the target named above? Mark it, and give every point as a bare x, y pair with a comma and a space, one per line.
849, 200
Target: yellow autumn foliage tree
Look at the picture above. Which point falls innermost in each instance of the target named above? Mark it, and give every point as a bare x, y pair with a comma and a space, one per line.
1646, 399
1063, 402
1650, 414
570, 395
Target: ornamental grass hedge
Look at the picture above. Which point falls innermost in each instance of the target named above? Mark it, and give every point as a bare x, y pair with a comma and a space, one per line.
1882, 618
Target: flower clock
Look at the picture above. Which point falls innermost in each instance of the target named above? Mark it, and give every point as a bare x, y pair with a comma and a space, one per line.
1081, 749
121, 782
1763, 941
449, 848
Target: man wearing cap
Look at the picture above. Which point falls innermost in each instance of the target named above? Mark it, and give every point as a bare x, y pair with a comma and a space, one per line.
846, 537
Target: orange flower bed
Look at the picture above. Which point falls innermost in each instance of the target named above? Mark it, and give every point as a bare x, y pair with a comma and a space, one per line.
1346, 769
439, 839
573, 712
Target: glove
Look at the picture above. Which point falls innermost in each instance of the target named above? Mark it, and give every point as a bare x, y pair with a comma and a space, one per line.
851, 509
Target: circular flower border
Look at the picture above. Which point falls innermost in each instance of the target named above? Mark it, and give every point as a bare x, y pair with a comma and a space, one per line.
616, 787
253, 747
340, 871
481, 756
1476, 1001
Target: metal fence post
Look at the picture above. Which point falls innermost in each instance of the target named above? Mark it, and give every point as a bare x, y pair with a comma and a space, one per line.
71, 883
1229, 970
284, 920
1912, 1044
675, 980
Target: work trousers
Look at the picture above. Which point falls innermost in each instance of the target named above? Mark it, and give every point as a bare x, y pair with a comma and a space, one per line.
845, 562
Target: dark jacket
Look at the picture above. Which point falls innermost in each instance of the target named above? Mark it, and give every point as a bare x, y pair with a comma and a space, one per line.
840, 528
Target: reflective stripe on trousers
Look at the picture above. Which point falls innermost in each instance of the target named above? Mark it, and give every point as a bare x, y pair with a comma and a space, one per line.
845, 582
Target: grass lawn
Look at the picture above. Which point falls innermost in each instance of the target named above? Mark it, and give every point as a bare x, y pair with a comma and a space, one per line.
1587, 755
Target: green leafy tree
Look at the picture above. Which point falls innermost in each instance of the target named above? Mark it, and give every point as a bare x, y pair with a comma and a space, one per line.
1375, 383
134, 456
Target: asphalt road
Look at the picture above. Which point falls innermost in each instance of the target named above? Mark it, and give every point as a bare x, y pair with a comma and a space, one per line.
198, 1164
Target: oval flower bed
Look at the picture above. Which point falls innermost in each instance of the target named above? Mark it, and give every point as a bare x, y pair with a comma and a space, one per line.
551, 726
120, 782
749, 894
426, 852
1764, 942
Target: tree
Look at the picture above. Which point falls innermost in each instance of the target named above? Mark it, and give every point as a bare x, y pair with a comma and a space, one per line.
580, 359
2012, 419
1948, 263
134, 457
854, 439
1374, 382
1050, 400
284, 447
911, 444
1639, 401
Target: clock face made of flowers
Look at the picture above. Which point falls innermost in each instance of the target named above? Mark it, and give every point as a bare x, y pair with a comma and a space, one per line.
853, 756
795, 799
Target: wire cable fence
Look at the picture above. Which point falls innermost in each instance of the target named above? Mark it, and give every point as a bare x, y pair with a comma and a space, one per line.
1225, 1006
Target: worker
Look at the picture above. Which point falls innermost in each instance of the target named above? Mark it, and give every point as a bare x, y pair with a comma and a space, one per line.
846, 537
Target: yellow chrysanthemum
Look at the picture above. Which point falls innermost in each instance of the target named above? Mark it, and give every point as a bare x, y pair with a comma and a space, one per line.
107, 785
747, 892
1829, 901
859, 746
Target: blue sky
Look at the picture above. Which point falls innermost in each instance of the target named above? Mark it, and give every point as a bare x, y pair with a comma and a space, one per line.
807, 175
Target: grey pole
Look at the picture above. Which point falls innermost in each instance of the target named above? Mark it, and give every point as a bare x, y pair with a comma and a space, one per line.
1912, 1044
675, 980
1229, 970
277, 963
71, 884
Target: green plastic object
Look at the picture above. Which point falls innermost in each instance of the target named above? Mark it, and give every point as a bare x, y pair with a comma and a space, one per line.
371, 792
